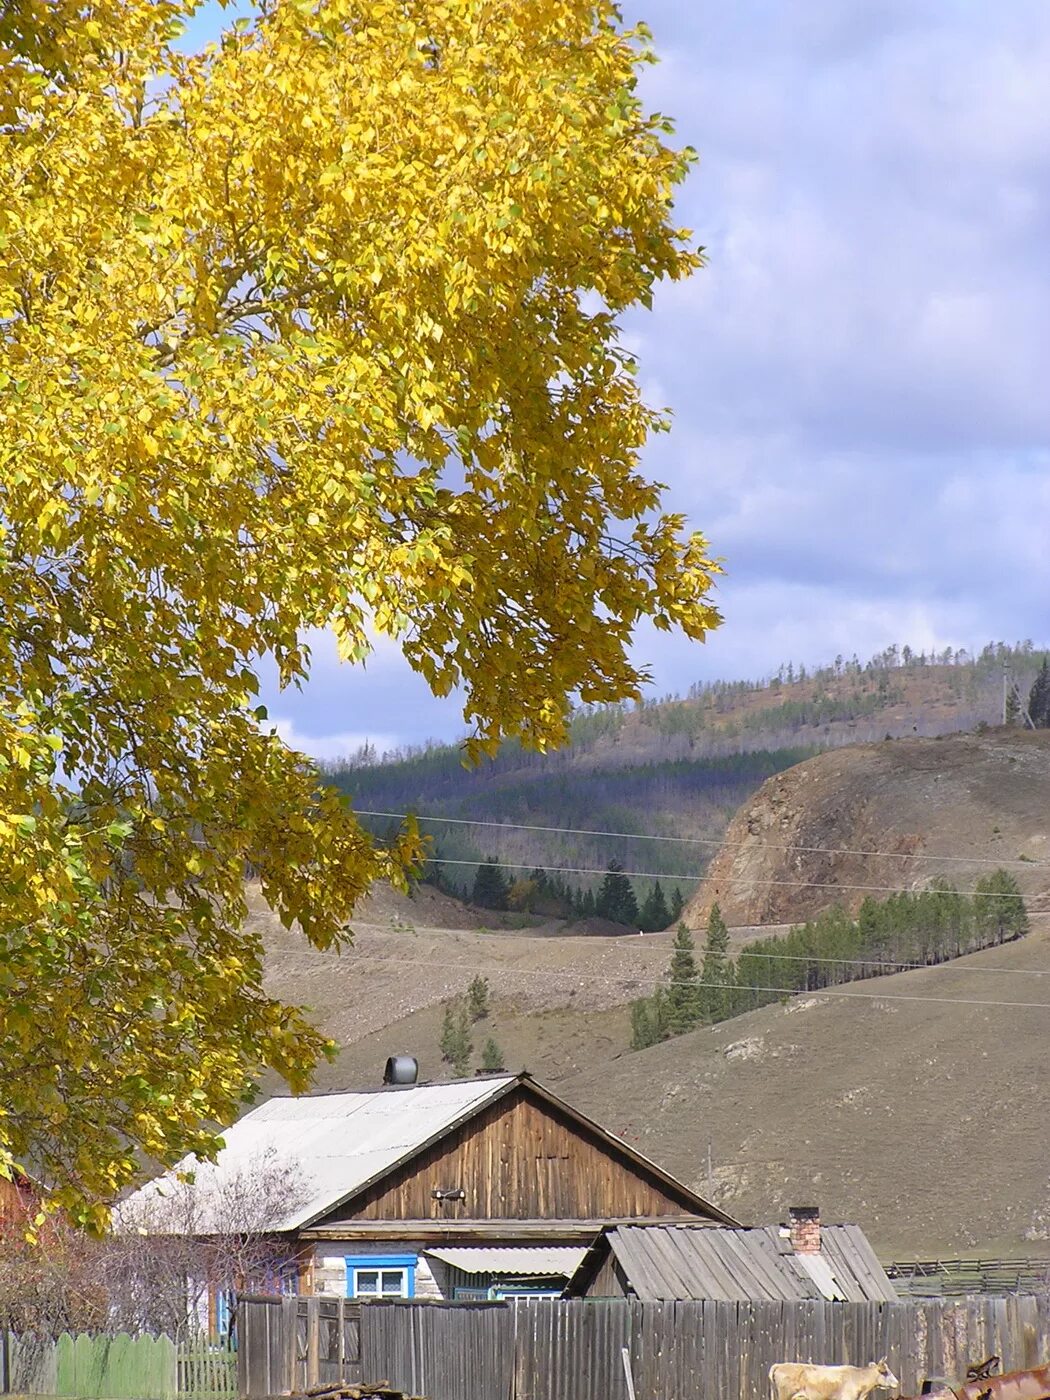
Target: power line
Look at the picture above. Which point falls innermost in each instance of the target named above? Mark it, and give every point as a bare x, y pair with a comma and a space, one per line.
725, 880
632, 977
892, 967
888, 965
704, 840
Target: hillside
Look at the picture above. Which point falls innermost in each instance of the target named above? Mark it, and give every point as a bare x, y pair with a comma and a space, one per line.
679, 767
895, 1102
922, 1119
944, 807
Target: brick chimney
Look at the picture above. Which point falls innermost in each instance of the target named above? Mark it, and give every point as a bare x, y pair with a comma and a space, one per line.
804, 1223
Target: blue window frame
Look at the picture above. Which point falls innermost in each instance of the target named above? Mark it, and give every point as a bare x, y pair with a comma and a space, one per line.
381, 1275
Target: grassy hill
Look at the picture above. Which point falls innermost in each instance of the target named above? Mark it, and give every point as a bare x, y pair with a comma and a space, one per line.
679, 767
915, 1106
913, 1103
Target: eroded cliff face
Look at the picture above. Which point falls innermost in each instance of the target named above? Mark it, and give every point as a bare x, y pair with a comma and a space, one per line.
885, 816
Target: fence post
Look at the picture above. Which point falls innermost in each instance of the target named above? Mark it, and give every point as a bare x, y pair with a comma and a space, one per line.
313, 1341
290, 1329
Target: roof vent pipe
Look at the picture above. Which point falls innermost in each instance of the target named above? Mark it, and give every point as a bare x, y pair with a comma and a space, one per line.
401, 1069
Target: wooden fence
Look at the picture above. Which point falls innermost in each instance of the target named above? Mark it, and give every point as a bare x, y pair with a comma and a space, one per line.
289, 1344
553, 1350
118, 1367
962, 1278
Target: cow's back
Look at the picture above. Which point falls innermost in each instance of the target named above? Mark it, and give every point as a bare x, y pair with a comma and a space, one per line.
791, 1378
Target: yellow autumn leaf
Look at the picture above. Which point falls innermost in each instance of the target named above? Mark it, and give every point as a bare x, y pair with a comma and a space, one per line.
318, 327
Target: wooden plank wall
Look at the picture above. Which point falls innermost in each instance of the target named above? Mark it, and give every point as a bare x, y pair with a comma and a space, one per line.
518, 1161
552, 1350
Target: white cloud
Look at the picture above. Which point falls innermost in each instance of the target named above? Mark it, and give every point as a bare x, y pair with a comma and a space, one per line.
858, 378
344, 744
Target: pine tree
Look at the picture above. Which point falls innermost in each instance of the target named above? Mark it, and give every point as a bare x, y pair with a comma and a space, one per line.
654, 914
490, 886
458, 1046
616, 900
999, 907
683, 999
491, 1057
715, 999
448, 1034
1039, 698
478, 999
649, 1020
676, 906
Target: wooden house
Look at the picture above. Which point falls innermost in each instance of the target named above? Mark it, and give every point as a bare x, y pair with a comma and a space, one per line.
476, 1188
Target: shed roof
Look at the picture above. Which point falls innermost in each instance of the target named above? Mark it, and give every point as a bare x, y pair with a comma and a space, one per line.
663, 1262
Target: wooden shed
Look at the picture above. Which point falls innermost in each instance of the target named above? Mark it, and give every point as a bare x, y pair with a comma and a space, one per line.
664, 1262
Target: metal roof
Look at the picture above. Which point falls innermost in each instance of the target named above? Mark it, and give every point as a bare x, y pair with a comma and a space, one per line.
663, 1262
534, 1261
336, 1144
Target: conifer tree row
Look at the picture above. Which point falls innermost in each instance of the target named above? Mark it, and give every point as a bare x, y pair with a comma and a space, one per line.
923, 927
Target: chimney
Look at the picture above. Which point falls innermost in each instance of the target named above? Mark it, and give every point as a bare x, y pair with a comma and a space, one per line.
401, 1069
804, 1223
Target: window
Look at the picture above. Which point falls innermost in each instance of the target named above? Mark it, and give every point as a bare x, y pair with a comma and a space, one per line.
389, 1276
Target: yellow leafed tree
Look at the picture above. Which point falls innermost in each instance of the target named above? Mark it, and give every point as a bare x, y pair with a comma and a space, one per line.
318, 328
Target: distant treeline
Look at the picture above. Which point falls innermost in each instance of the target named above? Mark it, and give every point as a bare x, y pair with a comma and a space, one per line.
680, 766
907, 929
846, 690
673, 797
553, 896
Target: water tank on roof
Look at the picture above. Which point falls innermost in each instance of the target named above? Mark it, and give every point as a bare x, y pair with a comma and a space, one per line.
401, 1069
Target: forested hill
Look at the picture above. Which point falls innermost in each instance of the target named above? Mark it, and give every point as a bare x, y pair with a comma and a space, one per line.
678, 767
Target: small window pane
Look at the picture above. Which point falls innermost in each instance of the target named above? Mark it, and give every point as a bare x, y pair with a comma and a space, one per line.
393, 1283
366, 1281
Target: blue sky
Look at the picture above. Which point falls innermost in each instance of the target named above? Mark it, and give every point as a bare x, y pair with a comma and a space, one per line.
859, 378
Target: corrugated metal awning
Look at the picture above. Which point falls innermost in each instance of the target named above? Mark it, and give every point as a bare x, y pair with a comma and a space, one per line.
533, 1261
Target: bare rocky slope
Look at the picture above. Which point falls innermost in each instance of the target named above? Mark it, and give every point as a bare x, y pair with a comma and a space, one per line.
936, 807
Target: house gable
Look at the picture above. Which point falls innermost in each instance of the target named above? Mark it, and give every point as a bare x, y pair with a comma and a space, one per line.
524, 1156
